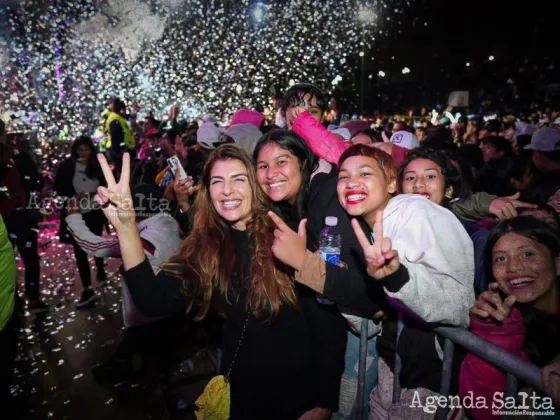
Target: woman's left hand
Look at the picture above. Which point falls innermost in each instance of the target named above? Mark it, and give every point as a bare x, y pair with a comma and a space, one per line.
289, 247
316, 413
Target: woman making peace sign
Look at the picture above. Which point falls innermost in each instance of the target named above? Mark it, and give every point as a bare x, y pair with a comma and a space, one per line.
421, 255
226, 265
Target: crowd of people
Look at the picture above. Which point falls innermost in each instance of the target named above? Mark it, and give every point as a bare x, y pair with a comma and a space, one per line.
442, 221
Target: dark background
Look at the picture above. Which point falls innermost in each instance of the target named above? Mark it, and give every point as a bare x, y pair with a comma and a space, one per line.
522, 37
435, 39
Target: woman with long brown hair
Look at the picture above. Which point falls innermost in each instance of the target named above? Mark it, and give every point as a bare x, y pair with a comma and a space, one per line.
226, 265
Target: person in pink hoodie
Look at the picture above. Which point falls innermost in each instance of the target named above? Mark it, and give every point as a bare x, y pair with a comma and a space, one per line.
520, 312
303, 110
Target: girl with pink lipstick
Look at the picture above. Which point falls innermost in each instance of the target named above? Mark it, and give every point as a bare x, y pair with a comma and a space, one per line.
521, 310
421, 256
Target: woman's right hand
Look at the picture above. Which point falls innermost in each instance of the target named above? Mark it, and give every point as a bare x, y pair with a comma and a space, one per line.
491, 305
116, 199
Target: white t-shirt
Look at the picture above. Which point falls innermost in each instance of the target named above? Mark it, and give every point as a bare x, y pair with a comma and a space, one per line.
83, 184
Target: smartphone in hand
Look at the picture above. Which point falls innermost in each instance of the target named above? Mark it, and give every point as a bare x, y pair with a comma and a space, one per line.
174, 163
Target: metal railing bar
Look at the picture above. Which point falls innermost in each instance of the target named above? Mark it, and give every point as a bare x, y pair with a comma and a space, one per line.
364, 330
446, 373
398, 364
493, 354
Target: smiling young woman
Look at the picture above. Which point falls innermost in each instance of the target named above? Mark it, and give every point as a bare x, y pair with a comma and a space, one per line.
225, 265
521, 310
426, 266
434, 175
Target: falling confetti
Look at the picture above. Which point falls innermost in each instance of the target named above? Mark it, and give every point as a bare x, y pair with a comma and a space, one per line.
63, 59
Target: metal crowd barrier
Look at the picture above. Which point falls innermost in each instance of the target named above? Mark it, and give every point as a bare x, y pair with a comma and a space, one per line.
515, 367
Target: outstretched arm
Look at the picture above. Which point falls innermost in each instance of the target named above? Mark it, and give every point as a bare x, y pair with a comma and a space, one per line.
322, 142
116, 202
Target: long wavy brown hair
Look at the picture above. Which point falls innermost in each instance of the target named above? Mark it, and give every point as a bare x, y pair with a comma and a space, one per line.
207, 256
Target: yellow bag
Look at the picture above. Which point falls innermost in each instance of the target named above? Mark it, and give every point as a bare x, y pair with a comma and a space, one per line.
214, 402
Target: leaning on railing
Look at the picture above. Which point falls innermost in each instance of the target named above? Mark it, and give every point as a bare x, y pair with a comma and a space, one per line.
515, 367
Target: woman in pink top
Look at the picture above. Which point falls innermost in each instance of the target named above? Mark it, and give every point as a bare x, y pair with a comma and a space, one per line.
521, 310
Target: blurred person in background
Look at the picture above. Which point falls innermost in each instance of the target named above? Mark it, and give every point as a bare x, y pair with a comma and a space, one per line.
19, 179
8, 317
79, 176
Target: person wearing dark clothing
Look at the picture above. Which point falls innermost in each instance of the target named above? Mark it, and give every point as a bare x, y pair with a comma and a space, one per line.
294, 179
19, 178
433, 284
270, 337
495, 176
79, 176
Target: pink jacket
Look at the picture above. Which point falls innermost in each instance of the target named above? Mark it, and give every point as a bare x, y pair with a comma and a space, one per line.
480, 377
324, 144
328, 146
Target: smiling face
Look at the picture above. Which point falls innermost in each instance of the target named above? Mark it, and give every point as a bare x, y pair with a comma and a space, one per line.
230, 192
424, 177
278, 173
363, 188
526, 269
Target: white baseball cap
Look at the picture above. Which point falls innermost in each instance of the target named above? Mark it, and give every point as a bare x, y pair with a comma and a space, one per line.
245, 135
545, 140
405, 139
208, 135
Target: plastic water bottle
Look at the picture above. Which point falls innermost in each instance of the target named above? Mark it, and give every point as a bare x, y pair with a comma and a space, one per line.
329, 247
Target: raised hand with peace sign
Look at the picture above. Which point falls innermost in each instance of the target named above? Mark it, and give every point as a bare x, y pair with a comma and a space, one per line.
289, 247
116, 199
381, 258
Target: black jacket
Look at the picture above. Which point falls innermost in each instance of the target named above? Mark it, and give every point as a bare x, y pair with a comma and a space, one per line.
350, 287
495, 177
282, 369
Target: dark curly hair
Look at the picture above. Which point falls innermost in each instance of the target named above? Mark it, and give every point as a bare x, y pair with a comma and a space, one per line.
300, 95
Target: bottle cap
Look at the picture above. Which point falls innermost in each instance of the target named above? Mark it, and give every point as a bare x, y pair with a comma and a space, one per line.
331, 221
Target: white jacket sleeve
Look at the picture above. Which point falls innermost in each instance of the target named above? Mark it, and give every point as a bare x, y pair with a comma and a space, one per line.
93, 245
438, 254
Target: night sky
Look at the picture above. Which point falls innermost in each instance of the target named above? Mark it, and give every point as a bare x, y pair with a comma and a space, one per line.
523, 40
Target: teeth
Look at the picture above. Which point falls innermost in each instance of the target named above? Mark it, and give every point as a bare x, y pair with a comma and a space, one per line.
277, 184
232, 203
520, 281
356, 197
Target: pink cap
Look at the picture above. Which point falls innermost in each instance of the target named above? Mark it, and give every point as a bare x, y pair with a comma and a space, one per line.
246, 116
